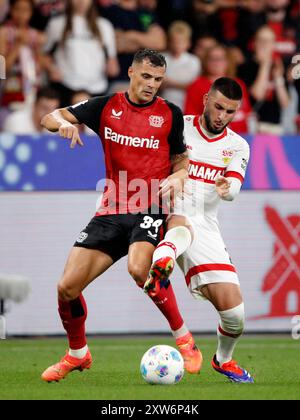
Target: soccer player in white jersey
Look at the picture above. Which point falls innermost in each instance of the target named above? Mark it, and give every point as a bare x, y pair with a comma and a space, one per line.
218, 162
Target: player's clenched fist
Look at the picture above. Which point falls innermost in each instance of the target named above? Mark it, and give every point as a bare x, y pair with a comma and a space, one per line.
222, 186
70, 131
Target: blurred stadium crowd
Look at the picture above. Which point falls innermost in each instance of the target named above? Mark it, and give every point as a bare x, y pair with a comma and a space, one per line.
60, 52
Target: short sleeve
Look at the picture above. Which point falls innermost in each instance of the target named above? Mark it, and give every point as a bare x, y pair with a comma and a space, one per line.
238, 165
176, 138
89, 112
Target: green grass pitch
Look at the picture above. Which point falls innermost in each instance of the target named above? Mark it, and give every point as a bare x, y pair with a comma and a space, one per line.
273, 361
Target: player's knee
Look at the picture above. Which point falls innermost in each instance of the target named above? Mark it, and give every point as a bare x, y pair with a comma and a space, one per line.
138, 274
181, 236
233, 320
179, 232
67, 292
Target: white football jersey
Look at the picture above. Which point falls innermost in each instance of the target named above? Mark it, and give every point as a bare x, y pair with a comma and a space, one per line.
226, 155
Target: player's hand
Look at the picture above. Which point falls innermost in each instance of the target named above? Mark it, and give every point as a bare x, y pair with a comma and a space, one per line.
70, 131
171, 187
222, 186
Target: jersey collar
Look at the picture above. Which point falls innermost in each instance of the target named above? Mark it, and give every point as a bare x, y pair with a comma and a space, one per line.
197, 125
139, 105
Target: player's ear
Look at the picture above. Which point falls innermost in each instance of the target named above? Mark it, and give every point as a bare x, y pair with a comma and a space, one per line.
205, 99
130, 71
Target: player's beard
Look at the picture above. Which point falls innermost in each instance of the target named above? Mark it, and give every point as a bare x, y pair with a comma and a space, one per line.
209, 125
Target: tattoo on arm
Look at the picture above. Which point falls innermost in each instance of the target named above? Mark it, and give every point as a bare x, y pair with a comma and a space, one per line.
180, 161
178, 158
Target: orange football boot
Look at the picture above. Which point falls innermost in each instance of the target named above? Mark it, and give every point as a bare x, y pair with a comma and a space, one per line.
192, 356
66, 365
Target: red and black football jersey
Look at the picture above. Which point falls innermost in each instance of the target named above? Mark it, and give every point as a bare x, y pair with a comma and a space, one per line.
137, 140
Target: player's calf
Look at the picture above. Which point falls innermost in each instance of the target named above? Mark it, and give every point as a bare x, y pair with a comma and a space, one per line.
138, 274
229, 330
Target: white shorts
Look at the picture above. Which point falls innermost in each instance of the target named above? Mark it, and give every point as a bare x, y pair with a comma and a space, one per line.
207, 260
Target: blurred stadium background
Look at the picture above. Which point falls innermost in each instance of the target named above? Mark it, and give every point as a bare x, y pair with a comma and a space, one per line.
49, 193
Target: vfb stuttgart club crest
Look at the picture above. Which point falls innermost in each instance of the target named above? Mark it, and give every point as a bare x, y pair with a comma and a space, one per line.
227, 156
156, 121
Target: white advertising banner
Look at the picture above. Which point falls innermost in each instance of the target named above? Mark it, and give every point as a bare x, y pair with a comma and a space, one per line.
261, 231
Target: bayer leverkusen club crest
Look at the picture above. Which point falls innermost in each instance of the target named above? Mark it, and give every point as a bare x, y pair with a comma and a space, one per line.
156, 121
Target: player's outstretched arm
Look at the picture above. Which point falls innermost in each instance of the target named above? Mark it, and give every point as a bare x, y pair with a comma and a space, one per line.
63, 121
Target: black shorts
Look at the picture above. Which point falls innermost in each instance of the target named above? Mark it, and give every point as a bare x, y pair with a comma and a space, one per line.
113, 234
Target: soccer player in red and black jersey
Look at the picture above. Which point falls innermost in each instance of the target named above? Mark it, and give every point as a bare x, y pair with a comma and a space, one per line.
142, 138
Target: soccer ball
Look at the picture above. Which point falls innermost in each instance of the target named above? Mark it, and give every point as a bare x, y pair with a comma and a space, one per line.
162, 365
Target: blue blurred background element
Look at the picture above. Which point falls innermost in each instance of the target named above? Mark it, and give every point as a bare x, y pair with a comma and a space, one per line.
46, 162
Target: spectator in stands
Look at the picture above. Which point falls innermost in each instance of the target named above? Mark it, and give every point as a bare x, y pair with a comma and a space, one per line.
79, 96
295, 14
284, 28
21, 46
83, 51
202, 45
28, 120
178, 61
44, 10
149, 12
215, 65
251, 17
228, 14
4, 8
294, 9
104, 3
203, 18
150, 5
168, 11
135, 29
297, 86
264, 75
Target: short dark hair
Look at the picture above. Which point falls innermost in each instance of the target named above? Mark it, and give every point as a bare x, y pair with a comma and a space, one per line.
47, 92
228, 87
155, 58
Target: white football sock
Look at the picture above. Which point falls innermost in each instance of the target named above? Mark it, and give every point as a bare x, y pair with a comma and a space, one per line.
79, 353
230, 328
176, 241
180, 332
